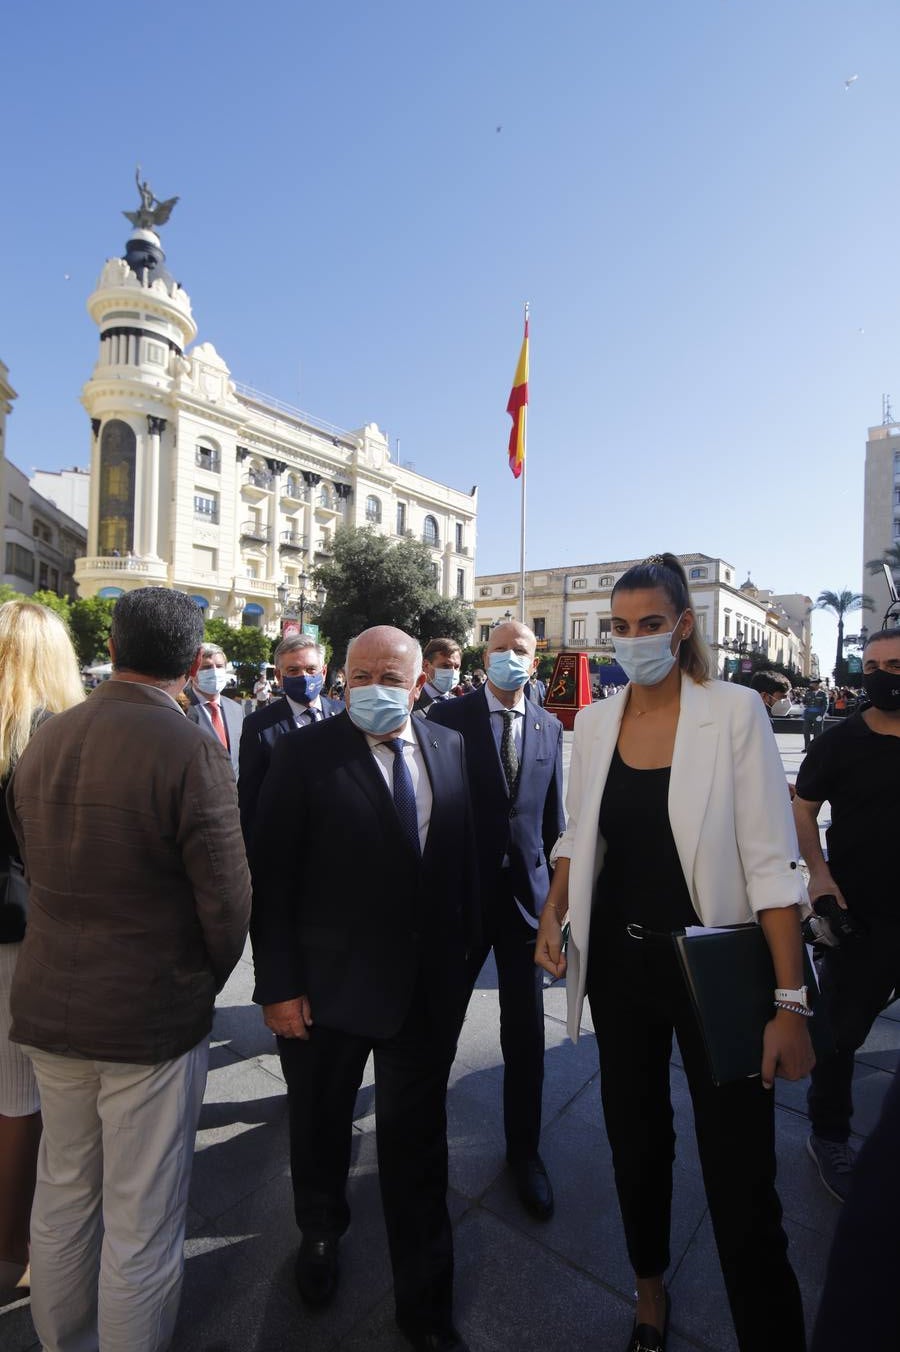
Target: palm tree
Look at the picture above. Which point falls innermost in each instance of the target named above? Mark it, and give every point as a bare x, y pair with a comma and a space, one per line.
891, 557
840, 604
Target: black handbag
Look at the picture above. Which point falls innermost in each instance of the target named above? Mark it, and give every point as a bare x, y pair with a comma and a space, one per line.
14, 903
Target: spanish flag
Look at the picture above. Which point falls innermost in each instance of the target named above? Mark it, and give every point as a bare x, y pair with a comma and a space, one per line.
517, 408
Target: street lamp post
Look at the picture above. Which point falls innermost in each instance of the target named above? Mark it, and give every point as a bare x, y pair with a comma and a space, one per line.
303, 598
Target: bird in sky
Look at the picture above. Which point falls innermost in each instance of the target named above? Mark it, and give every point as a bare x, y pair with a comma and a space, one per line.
499, 128
848, 83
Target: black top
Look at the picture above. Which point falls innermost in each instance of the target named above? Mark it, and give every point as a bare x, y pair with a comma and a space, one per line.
858, 772
642, 882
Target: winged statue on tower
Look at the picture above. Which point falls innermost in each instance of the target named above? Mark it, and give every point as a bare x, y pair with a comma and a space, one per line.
152, 212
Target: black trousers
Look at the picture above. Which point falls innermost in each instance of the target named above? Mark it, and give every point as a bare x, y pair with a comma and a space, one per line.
521, 990
638, 999
411, 1072
857, 981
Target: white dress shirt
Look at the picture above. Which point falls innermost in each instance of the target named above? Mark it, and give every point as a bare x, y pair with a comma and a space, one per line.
495, 708
383, 757
302, 716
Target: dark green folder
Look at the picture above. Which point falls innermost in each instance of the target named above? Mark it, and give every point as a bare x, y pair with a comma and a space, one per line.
731, 981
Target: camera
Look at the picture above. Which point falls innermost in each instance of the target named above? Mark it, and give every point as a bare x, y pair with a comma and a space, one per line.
839, 921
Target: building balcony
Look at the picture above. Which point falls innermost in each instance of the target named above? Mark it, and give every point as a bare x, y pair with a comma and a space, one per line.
250, 530
294, 492
257, 482
327, 508
208, 460
109, 571
291, 542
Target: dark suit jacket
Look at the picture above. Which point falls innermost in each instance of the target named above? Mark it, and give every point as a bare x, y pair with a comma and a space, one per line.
527, 829
260, 732
344, 910
232, 716
424, 702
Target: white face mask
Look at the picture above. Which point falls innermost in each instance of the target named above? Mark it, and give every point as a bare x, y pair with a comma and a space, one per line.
781, 707
647, 660
212, 680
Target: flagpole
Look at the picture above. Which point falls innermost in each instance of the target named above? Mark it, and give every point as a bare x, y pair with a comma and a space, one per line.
524, 472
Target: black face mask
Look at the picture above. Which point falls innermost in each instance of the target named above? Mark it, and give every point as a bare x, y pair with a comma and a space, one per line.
883, 689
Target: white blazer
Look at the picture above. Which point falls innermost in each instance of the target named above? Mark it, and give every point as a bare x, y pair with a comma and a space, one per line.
729, 809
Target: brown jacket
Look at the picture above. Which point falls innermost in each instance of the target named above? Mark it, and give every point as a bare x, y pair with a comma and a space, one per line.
127, 820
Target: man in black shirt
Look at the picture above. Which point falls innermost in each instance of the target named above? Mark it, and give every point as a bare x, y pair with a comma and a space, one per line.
856, 767
815, 707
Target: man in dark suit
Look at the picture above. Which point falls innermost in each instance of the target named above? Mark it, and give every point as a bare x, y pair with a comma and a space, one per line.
300, 664
514, 759
217, 717
441, 662
376, 804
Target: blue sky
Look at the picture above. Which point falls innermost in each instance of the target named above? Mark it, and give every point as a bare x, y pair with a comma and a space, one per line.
702, 217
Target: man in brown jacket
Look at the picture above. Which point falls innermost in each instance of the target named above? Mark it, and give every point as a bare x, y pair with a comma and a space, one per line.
127, 820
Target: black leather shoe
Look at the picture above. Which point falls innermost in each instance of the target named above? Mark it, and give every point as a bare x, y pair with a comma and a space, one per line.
440, 1340
533, 1186
316, 1269
646, 1338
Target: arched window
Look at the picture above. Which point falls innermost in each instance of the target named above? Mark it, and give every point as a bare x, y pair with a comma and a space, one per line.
208, 456
118, 453
430, 532
110, 593
373, 509
200, 602
252, 616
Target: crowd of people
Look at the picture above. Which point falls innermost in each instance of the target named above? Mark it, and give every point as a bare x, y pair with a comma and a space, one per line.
144, 837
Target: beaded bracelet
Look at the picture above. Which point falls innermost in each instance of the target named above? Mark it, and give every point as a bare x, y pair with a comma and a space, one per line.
794, 1009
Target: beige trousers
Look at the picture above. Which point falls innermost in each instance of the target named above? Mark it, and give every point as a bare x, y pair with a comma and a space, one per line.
107, 1228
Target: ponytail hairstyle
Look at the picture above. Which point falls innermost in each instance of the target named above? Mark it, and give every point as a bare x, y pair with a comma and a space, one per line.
665, 572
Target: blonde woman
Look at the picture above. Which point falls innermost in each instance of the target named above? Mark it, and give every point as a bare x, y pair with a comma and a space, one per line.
39, 676
678, 814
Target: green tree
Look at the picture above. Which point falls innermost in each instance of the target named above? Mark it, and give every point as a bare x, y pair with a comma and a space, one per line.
840, 604
90, 619
60, 604
372, 580
246, 648
891, 557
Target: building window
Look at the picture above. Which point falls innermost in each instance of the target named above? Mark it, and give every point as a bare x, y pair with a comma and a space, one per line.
252, 570
207, 457
579, 583
897, 530
43, 576
509, 590
204, 559
727, 574
373, 510
401, 518
41, 531
430, 532
54, 579
118, 455
484, 633
20, 562
539, 627
459, 537
578, 627
460, 581
606, 581
252, 616
206, 507
486, 591
697, 573
15, 507
604, 631
727, 626
435, 574
701, 621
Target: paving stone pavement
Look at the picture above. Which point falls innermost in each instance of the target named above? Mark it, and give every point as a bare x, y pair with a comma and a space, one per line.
520, 1284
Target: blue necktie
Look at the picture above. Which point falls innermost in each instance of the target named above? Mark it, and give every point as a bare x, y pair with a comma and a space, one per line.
405, 794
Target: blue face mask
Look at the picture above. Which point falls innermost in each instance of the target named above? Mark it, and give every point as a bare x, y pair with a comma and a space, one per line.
445, 679
377, 709
507, 670
647, 660
302, 689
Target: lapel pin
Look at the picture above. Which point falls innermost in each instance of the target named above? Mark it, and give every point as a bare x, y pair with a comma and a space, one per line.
435, 745
537, 727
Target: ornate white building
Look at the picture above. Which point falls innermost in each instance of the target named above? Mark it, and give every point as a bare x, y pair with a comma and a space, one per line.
570, 608
201, 483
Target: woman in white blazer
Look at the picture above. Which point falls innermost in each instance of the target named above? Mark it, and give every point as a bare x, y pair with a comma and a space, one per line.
678, 814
